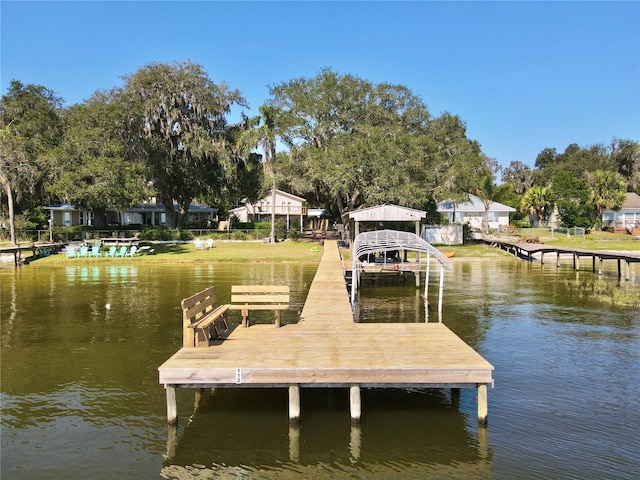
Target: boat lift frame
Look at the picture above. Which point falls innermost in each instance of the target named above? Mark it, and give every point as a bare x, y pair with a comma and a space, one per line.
382, 241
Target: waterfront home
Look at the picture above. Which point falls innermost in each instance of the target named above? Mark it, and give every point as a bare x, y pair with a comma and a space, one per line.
472, 212
626, 218
286, 206
147, 213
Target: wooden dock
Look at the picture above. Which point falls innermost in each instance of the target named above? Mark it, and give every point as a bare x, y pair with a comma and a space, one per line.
37, 250
528, 250
327, 349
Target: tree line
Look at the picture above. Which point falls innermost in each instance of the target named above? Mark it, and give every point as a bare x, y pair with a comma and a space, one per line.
578, 183
340, 141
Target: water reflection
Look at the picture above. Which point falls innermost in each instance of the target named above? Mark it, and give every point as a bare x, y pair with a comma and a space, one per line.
404, 433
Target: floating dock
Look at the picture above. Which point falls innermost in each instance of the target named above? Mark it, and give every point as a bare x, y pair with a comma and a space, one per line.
327, 349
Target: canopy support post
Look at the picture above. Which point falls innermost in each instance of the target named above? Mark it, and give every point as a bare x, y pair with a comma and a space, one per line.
440, 294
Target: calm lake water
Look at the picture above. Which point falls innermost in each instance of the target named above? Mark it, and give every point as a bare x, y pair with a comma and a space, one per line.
81, 399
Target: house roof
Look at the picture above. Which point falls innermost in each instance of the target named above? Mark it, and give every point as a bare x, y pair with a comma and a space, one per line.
139, 207
632, 201
387, 213
281, 193
474, 204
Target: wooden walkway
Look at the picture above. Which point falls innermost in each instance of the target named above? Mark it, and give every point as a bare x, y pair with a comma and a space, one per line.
528, 250
327, 349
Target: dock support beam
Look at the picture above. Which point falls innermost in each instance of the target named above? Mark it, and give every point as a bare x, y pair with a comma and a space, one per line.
172, 405
483, 405
294, 404
355, 404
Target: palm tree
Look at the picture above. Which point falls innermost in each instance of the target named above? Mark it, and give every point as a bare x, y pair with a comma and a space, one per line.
488, 192
263, 133
608, 190
537, 201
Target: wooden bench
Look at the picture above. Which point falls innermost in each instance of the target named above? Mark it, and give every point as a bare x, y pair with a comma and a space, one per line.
259, 297
202, 320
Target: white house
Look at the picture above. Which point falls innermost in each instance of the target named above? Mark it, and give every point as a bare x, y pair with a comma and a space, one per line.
627, 218
472, 212
148, 213
287, 206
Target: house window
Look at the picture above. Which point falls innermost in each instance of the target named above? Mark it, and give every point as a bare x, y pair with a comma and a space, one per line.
66, 219
86, 218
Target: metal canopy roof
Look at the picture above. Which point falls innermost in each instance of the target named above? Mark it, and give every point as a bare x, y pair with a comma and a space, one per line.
387, 213
387, 240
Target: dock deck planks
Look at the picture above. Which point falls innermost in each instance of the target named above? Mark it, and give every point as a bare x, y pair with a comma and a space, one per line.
326, 348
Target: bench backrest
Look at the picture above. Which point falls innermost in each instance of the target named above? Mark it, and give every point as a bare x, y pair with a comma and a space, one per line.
256, 295
194, 308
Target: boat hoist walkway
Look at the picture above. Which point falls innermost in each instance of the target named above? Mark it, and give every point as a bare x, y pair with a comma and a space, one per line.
326, 348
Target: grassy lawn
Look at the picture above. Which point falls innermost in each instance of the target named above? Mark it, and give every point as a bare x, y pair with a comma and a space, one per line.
221, 252
307, 251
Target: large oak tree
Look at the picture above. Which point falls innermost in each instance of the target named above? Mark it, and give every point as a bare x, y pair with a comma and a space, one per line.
356, 143
95, 161
180, 115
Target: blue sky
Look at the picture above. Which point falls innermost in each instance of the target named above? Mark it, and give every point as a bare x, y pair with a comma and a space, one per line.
524, 76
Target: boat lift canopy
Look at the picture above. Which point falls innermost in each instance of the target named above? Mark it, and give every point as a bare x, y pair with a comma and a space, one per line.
382, 241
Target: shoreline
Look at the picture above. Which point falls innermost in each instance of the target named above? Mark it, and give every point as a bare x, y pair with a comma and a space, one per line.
258, 252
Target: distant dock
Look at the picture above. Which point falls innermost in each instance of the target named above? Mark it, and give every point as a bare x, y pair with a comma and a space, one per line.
37, 250
528, 250
327, 349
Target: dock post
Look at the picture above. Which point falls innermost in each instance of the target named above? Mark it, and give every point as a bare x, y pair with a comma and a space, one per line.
172, 405
600, 259
355, 404
426, 281
354, 283
483, 406
440, 294
619, 269
294, 404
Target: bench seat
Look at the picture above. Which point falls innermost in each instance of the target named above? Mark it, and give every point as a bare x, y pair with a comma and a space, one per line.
202, 320
259, 297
